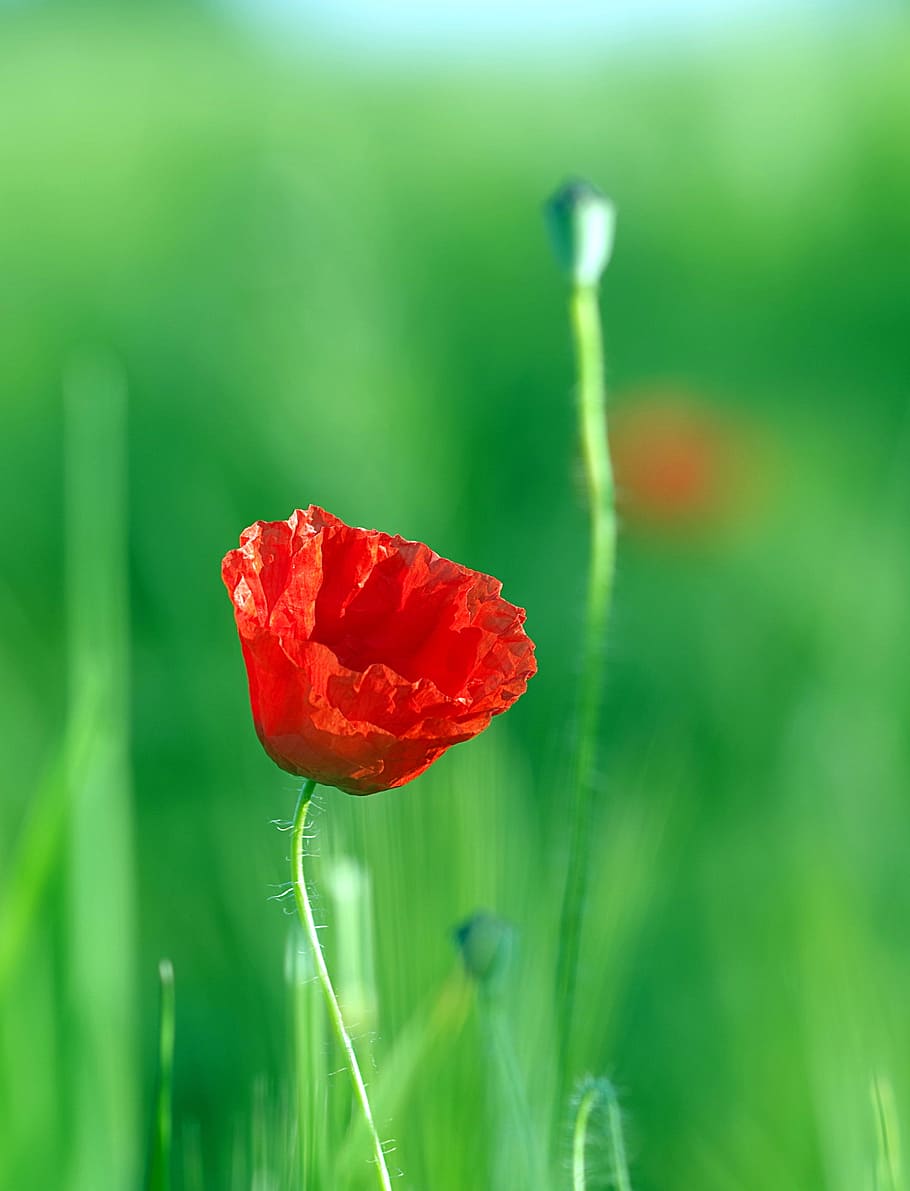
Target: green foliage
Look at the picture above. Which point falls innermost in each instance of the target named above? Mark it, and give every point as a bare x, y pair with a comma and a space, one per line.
160, 1159
327, 283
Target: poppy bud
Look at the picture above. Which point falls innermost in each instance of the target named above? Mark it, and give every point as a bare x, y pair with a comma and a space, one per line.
582, 222
486, 944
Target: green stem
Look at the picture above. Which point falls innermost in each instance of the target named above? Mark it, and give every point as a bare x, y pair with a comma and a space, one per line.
99, 901
595, 1093
580, 1138
888, 1165
33, 866
588, 344
159, 1170
617, 1143
517, 1141
305, 913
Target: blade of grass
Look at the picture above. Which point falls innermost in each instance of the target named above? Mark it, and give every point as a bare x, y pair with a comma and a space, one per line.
191, 1154
518, 1146
311, 1051
888, 1176
100, 880
412, 1050
158, 1177
35, 861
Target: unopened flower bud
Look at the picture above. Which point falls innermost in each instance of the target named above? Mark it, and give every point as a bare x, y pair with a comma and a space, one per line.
582, 222
486, 944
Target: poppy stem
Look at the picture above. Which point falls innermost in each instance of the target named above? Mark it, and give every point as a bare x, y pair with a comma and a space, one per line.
599, 1094
580, 1138
307, 921
588, 344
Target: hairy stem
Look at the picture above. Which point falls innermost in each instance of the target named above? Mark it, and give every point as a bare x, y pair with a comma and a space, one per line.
588, 345
580, 1138
599, 1094
305, 913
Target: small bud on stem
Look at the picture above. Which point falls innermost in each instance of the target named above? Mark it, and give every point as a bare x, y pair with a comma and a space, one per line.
582, 222
486, 944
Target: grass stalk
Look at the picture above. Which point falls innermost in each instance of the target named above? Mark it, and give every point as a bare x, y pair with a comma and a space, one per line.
888, 1175
158, 1177
519, 1156
310, 1070
34, 864
100, 868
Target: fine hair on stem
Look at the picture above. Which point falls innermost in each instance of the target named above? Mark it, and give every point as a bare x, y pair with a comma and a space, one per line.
343, 1038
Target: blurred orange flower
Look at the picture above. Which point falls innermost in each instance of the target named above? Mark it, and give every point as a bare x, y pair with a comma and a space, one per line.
678, 464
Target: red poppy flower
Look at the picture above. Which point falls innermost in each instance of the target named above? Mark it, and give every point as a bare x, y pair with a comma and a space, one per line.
368, 655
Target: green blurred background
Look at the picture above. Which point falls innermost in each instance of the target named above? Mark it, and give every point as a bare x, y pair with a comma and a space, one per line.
311, 269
